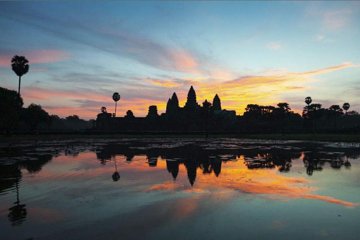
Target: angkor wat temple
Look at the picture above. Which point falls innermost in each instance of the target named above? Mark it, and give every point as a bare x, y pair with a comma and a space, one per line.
190, 118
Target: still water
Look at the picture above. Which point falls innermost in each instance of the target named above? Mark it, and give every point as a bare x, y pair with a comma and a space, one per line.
175, 188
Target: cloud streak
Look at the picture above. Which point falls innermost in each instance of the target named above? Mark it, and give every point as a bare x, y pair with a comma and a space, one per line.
42, 56
235, 94
119, 42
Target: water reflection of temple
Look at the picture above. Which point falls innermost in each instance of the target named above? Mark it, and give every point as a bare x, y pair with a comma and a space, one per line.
209, 161
195, 157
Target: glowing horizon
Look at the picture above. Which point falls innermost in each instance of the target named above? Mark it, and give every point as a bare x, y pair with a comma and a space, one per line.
247, 53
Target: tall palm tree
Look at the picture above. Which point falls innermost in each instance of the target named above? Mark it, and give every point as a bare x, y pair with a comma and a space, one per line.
20, 65
116, 98
308, 100
346, 107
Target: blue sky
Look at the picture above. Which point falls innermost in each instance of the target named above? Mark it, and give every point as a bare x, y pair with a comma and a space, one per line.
247, 52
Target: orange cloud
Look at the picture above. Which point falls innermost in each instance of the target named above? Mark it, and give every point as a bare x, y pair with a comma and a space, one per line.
263, 89
164, 83
266, 89
170, 83
235, 94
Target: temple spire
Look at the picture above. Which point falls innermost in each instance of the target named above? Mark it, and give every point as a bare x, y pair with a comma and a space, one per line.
216, 103
191, 99
175, 100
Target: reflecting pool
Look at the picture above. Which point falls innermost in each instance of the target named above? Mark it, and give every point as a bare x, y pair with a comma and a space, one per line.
179, 188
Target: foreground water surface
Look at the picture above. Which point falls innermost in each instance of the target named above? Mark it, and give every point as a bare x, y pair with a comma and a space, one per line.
179, 188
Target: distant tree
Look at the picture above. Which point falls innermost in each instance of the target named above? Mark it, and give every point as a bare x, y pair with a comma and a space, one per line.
103, 110
281, 116
316, 106
336, 109
252, 111
54, 117
34, 115
312, 112
129, 114
10, 107
267, 110
72, 118
284, 107
352, 113
116, 98
346, 107
20, 65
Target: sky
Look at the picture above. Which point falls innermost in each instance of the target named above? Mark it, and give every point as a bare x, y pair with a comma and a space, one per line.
246, 52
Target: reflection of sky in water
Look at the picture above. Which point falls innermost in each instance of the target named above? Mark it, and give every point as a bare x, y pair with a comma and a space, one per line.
75, 197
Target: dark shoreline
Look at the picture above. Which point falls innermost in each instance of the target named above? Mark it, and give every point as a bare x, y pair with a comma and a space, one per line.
82, 135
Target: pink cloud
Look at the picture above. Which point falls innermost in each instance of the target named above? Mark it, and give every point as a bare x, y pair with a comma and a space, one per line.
184, 61
331, 19
36, 56
336, 19
47, 94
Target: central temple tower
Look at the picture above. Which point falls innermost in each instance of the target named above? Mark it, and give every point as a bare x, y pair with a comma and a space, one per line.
191, 103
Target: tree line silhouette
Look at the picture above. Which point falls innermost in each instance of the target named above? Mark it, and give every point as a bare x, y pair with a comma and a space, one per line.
193, 117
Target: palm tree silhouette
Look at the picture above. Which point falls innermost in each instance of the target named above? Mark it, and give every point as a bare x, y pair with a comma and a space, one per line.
20, 65
346, 107
308, 100
116, 98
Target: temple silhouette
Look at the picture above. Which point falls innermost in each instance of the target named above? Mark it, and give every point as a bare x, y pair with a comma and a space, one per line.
210, 117
193, 117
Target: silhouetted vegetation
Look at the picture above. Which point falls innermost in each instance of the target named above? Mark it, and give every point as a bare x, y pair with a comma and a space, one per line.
34, 115
16, 119
10, 107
